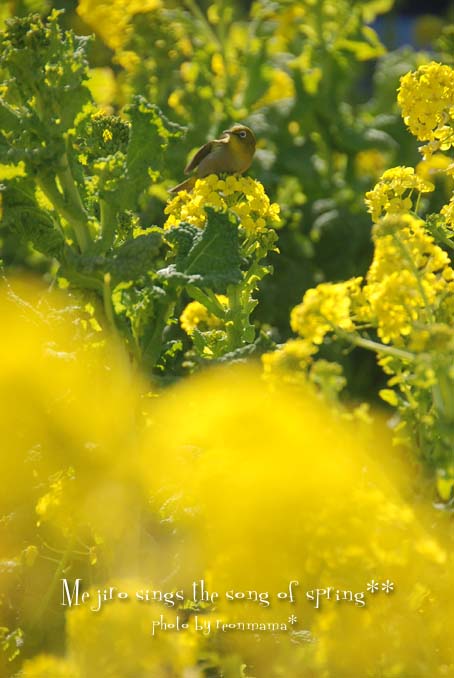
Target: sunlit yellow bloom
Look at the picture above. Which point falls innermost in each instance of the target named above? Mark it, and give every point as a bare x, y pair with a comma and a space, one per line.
408, 286
243, 196
407, 277
448, 212
393, 194
426, 99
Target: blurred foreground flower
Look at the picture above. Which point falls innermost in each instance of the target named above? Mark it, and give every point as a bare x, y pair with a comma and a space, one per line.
225, 481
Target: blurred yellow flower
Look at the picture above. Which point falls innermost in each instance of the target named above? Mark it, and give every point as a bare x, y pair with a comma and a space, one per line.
281, 87
271, 487
103, 87
111, 19
47, 666
245, 487
12, 171
197, 316
289, 363
370, 163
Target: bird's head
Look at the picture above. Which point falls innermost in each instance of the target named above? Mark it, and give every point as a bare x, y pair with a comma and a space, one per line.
244, 135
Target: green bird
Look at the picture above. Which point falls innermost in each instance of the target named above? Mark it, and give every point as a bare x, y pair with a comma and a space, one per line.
231, 154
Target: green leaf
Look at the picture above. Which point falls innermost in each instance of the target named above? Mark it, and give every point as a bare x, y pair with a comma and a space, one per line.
135, 258
150, 135
208, 257
23, 216
47, 67
126, 264
43, 91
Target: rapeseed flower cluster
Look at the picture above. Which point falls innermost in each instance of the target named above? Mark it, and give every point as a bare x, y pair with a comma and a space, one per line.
243, 196
395, 192
448, 212
406, 299
426, 99
327, 308
408, 285
408, 279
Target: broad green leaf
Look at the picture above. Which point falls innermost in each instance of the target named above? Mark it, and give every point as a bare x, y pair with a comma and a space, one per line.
208, 257
23, 216
149, 138
135, 258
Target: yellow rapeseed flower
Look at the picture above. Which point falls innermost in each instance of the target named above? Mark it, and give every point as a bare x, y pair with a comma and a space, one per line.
393, 194
448, 212
407, 279
325, 308
197, 316
243, 196
426, 99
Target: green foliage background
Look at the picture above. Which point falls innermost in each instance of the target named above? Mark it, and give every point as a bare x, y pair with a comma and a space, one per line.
313, 81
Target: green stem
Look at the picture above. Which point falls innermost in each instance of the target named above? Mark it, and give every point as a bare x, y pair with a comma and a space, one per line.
62, 565
108, 223
208, 299
403, 248
234, 320
197, 12
73, 199
443, 396
75, 219
375, 346
153, 348
107, 299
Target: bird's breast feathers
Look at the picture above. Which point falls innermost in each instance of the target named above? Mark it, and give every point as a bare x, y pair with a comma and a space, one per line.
227, 155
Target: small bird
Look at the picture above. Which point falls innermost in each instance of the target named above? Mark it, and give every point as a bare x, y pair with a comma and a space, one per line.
232, 153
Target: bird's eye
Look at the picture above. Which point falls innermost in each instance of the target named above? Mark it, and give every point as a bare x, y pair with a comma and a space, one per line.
242, 134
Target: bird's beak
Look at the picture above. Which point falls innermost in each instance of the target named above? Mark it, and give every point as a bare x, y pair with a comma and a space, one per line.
227, 131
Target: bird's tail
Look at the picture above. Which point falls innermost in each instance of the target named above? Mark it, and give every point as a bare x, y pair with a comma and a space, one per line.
186, 185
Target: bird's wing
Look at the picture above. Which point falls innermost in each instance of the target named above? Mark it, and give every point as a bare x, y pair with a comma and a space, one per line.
202, 153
